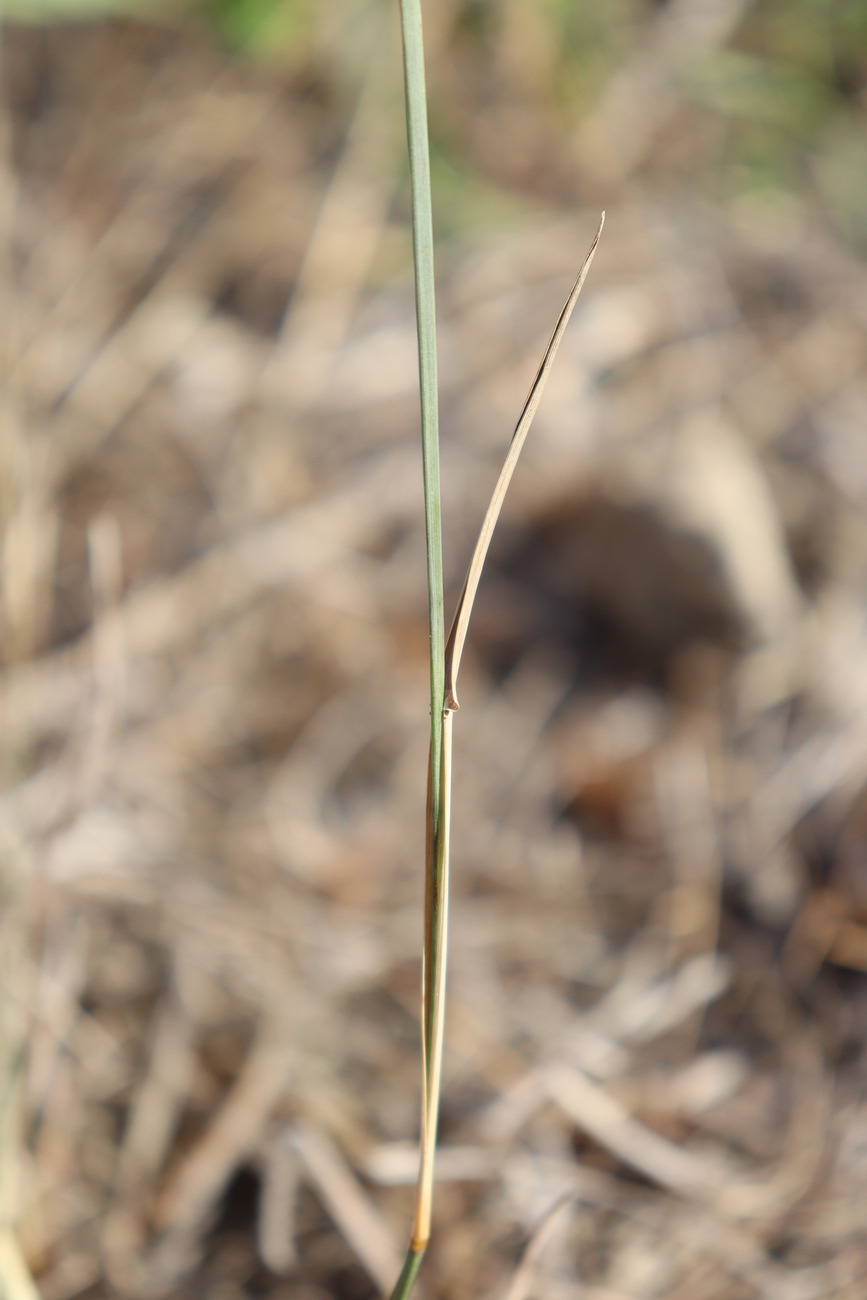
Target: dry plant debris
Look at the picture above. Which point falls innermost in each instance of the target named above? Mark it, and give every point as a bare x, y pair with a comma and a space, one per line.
214, 732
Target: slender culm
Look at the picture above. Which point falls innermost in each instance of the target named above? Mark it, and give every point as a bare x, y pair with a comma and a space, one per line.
444, 658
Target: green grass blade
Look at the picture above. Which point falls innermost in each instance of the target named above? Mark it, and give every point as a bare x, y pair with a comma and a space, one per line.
423, 259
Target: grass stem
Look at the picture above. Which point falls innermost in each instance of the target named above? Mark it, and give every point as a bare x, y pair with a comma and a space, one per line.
444, 658
436, 838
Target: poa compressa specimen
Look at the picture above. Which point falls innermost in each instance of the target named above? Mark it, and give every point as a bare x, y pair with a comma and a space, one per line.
445, 655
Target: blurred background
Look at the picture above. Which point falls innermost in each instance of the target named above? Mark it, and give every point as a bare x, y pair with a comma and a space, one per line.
214, 681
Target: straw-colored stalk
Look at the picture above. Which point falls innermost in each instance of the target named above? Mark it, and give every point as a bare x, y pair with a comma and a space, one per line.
445, 657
